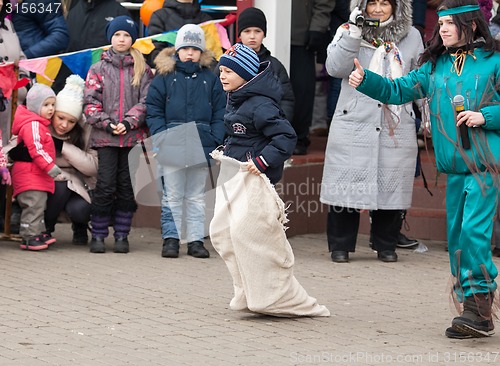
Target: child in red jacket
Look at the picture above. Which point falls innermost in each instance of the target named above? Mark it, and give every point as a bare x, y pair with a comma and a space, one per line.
33, 180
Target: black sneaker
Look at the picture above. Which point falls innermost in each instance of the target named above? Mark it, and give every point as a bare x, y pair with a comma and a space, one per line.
121, 245
170, 248
197, 250
47, 238
33, 243
97, 245
405, 242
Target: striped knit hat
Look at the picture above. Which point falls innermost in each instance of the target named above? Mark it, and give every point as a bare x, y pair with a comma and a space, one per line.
242, 60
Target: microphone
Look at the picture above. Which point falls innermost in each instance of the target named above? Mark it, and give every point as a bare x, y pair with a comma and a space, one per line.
458, 103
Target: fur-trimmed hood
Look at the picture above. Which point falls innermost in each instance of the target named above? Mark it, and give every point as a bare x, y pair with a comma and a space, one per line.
395, 30
166, 60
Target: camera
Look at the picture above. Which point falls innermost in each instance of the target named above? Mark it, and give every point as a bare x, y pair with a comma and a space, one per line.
361, 21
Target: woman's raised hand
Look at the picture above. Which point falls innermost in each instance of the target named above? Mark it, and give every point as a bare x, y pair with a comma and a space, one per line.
357, 75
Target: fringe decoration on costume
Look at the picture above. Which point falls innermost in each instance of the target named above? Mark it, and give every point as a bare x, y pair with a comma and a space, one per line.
456, 292
482, 161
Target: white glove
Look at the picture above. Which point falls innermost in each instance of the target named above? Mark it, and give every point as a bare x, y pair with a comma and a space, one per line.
354, 15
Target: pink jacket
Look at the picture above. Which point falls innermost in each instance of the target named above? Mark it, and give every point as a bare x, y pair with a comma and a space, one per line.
34, 131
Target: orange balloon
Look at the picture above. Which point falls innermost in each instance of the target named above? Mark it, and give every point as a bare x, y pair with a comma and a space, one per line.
148, 8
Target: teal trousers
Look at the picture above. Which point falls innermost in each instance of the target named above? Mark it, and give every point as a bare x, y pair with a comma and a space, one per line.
471, 202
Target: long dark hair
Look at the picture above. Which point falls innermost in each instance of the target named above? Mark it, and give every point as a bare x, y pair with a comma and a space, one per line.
463, 21
75, 136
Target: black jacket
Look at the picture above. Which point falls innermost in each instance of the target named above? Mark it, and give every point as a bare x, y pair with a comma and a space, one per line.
256, 126
171, 17
87, 22
287, 103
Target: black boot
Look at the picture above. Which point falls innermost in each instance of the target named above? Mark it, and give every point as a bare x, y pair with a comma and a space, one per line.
80, 234
121, 245
450, 332
99, 232
121, 225
384, 229
197, 250
403, 240
170, 248
342, 231
97, 245
476, 319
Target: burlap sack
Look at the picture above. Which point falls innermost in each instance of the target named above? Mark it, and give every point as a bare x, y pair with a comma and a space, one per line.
248, 233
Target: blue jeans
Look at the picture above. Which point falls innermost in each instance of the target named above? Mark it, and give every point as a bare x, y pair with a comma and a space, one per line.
183, 190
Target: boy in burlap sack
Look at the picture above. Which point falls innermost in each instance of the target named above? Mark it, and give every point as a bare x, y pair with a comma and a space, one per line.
248, 225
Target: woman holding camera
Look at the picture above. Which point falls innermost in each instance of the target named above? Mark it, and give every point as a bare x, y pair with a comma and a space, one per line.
371, 152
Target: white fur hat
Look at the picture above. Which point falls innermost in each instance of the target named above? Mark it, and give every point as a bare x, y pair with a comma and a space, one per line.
70, 99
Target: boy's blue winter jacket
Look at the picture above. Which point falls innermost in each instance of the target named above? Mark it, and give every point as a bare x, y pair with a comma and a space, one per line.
184, 92
256, 126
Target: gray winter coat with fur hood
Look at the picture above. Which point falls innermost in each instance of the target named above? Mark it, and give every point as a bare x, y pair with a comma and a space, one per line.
371, 152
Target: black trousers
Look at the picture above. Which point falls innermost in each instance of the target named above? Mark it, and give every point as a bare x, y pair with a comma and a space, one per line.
303, 80
64, 199
343, 225
114, 189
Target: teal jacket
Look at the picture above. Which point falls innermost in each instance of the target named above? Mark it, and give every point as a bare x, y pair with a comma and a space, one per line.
478, 83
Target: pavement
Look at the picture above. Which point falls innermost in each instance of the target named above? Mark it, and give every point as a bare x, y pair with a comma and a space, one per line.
66, 306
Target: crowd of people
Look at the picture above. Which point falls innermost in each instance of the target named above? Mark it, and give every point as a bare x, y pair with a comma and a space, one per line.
69, 145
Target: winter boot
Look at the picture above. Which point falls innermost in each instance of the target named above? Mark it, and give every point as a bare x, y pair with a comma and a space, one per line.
450, 332
197, 250
100, 231
384, 231
170, 248
122, 224
403, 240
121, 245
476, 319
80, 235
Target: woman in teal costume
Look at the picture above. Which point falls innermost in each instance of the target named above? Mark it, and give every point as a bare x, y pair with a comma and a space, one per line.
460, 59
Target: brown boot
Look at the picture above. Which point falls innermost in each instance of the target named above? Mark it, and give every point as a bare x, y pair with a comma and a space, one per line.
476, 319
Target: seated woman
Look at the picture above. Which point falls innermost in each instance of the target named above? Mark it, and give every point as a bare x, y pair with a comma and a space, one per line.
77, 162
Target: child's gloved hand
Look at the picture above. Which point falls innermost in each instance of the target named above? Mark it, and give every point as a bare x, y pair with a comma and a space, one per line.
6, 179
122, 128
54, 171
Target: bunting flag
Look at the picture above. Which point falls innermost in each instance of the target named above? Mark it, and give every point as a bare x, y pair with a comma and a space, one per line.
50, 73
79, 62
7, 79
